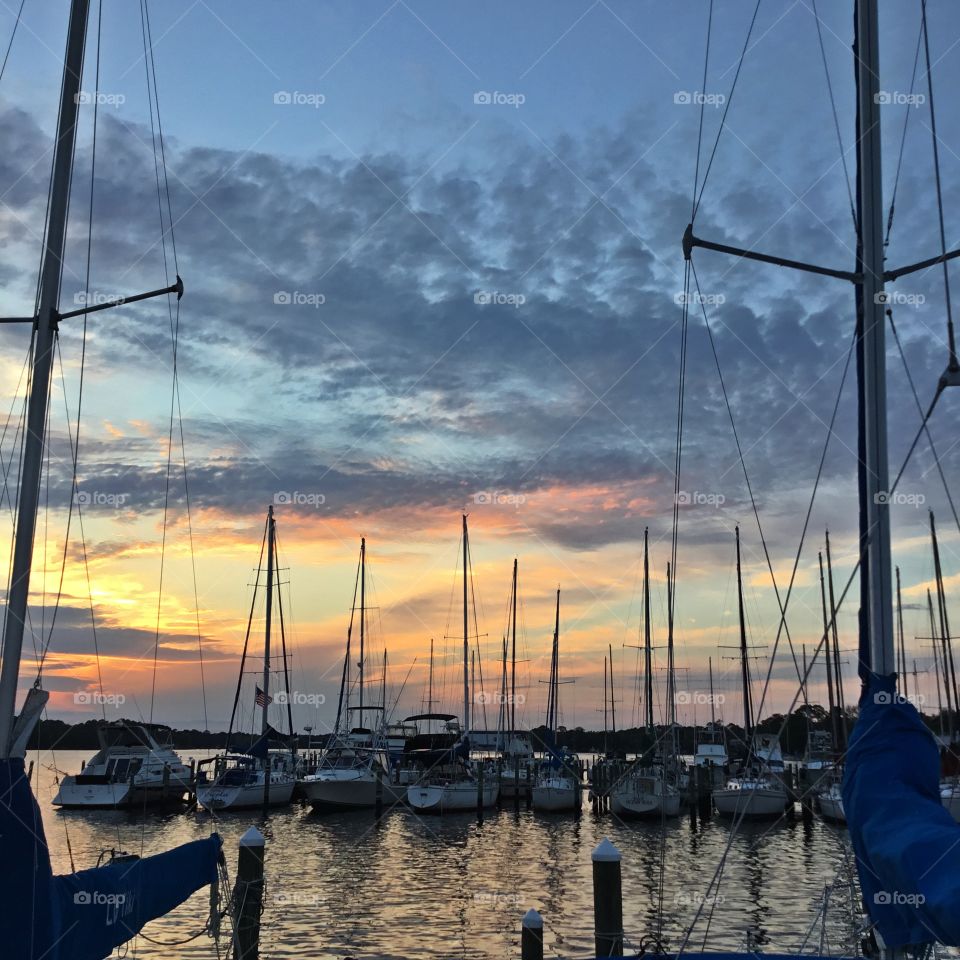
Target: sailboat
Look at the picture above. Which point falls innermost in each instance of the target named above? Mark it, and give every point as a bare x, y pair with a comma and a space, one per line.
650, 785
136, 765
450, 784
356, 766
261, 777
47, 916
557, 785
758, 790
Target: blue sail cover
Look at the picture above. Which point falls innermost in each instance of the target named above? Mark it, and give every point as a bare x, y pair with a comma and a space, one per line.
907, 845
85, 915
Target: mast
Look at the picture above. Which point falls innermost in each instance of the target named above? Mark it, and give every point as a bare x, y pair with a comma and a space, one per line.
613, 698
647, 658
513, 657
874, 474
466, 639
363, 616
430, 681
383, 691
554, 675
901, 649
45, 326
826, 649
936, 670
744, 665
713, 711
271, 534
605, 747
837, 672
671, 678
948, 665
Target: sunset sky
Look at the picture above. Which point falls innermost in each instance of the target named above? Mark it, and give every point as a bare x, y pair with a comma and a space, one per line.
432, 262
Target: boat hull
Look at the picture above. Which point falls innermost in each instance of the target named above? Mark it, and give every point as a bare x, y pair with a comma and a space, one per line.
324, 793
554, 798
74, 795
950, 798
831, 808
752, 803
450, 797
249, 796
644, 804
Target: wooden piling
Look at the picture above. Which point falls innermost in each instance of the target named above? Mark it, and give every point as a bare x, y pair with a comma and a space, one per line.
531, 936
607, 900
248, 896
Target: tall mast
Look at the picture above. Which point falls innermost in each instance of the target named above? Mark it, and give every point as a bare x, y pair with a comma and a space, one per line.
363, 616
826, 649
513, 656
647, 655
744, 665
874, 478
604, 704
383, 691
430, 681
613, 698
713, 711
837, 671
554, 673
45, 327
936, 671
466, 640
901, 649
271, 533
671, 677
948, 665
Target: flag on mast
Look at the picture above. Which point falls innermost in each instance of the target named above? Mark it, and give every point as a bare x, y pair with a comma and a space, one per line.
263, 699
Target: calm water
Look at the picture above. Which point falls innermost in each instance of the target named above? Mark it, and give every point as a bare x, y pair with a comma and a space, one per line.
341, 886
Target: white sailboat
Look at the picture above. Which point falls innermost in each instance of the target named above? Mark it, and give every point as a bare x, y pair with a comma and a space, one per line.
650, 786
758, 791
557, 787
135, 765
262, 777
453, 785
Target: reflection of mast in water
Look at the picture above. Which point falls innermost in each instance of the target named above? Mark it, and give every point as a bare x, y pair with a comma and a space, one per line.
757, 910
564, 847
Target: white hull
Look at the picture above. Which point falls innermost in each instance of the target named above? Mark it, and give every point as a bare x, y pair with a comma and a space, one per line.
554, 797
449, 797
216, 797
342, 793
74, 795
628, 803
950, 798
750, 802
831, 808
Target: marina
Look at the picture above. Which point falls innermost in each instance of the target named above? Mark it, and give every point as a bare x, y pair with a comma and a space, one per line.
190, 765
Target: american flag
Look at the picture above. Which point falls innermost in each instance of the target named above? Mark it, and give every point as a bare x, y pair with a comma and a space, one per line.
263, 699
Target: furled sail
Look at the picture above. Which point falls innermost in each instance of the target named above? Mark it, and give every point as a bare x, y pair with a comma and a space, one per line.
907, 845
85, 915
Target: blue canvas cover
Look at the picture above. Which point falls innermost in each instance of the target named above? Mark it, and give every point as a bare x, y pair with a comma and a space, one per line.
907, 845
82, 916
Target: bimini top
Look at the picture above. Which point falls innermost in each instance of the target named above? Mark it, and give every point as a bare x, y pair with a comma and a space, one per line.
430, 716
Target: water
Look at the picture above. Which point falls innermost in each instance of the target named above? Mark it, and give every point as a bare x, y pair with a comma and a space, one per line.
340, 886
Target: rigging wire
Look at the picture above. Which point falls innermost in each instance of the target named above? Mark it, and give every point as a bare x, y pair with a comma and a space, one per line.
13, 34
953, 364
836, 120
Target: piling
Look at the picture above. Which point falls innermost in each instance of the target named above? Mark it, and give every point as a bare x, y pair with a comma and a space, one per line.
379, 793
516, 783
248, 896
607, 900
531, 936
480, 791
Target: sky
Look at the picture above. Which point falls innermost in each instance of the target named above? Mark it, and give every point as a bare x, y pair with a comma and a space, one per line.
432, 264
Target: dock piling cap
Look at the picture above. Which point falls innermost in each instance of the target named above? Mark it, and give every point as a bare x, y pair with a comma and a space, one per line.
252, 838
605, 852
532, 920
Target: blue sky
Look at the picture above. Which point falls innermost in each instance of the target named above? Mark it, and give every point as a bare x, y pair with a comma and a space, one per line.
381, 212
